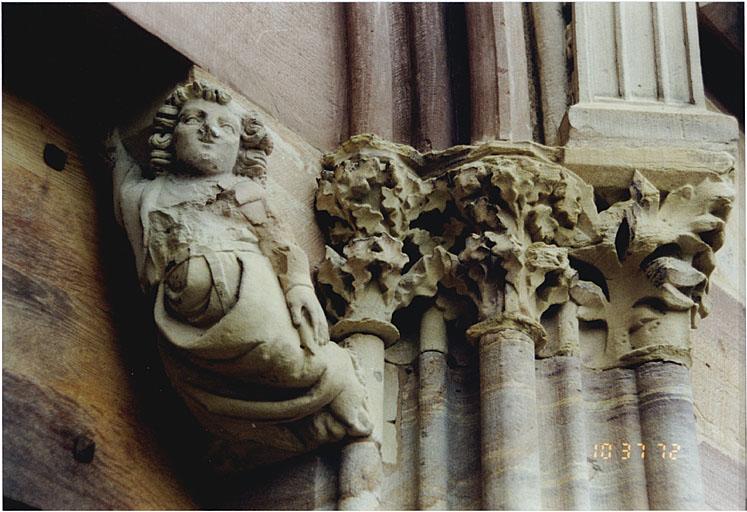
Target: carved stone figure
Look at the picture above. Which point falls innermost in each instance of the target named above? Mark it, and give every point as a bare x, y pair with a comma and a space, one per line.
241, 332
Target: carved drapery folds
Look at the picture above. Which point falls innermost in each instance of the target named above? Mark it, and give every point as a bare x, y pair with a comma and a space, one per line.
513, 232
242, 335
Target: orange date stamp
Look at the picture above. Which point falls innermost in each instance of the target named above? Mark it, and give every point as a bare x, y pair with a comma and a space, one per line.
627, 451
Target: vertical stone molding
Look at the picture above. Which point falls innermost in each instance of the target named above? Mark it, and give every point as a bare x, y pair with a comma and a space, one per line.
552, 62
397, 89
642, 51
673, 475
370, 74
637, 78
499, 75
564, 443
434, 128
433, 441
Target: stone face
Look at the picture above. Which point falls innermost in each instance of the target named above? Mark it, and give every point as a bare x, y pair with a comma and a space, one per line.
242, 334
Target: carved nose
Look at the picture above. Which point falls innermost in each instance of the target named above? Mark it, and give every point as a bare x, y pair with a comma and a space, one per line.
208, 131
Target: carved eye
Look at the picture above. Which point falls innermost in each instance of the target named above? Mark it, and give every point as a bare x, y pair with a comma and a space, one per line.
228, 128
190, 119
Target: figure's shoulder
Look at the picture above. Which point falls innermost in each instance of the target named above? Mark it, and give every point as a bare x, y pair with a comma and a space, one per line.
248, 191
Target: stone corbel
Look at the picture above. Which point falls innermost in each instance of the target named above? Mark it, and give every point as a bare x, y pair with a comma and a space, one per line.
242, 335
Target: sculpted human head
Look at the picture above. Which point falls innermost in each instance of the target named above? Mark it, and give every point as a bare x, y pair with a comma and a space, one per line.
200, 131
206, 138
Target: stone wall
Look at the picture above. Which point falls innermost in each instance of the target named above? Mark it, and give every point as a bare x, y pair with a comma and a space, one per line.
75, 344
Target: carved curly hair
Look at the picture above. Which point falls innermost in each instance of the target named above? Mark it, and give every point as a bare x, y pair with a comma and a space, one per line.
256, 144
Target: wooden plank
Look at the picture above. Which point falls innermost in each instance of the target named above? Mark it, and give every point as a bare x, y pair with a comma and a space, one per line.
70, 366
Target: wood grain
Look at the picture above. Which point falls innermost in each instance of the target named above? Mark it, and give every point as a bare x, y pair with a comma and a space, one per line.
66, 368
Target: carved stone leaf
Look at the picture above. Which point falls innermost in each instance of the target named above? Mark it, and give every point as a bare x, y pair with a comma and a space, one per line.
423, 278
540, 223
644, 193
677, 280
366, 220
591, 300
380, 258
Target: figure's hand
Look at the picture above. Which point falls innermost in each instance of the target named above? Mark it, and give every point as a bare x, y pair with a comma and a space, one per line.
113, 147
305, 309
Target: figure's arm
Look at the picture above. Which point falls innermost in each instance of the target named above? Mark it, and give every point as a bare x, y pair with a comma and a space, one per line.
128, 186
290, 264
126, 173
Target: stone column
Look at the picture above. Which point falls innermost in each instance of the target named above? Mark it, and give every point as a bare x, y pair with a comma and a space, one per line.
665, 403
370, 198
508, 412
513, 270
361, 471
365, 329
433, 446
656, 256
630, 282
560, 402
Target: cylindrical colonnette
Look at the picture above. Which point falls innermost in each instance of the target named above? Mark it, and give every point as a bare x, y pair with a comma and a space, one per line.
361, 471
433, 448
510, 448
673, 476
560, 402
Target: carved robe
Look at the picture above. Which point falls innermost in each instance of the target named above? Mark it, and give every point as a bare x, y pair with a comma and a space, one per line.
218, 265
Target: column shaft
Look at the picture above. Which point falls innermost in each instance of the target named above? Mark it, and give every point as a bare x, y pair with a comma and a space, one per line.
510, 451
369, 68
433, 447
361, 471
673, 474
564, 445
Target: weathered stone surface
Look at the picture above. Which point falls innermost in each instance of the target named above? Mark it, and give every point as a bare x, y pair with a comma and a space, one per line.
242, 334
525, 240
